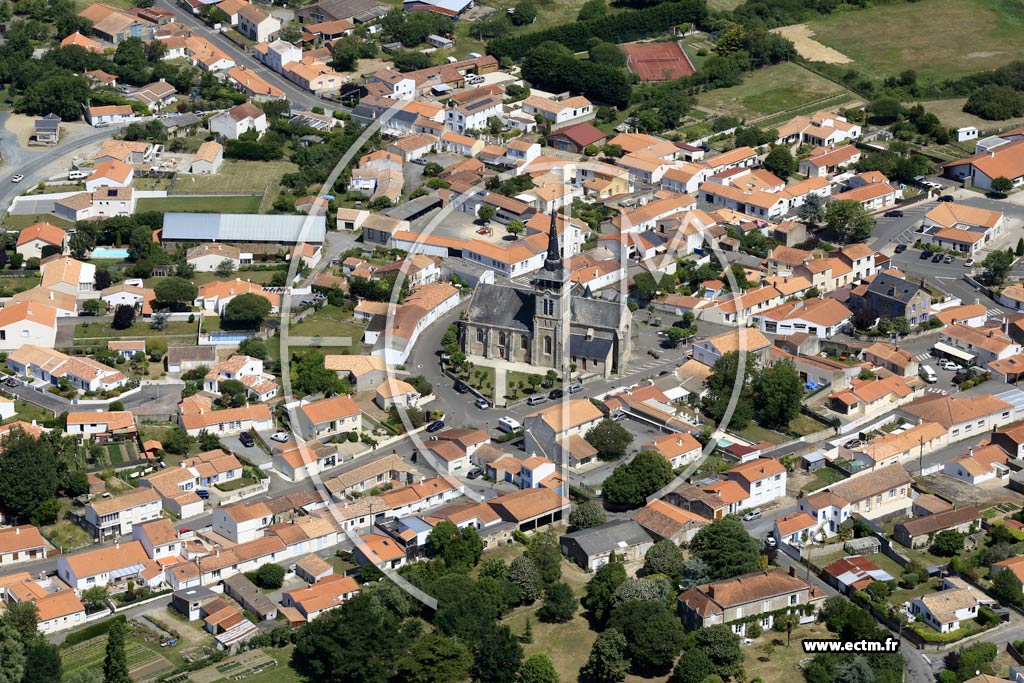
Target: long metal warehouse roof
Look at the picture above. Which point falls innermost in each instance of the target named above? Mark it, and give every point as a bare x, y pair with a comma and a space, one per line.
244, 227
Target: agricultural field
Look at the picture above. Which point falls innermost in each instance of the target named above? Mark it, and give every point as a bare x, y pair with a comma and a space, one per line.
143, 661
772, 90
937, 38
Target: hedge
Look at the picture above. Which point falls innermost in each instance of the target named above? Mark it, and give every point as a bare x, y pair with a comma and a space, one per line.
620, 27
100, 628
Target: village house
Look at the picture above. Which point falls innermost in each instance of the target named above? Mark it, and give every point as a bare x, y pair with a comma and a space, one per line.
112, 517
328, 417
944, 611
733, 601
593, 548
918, 533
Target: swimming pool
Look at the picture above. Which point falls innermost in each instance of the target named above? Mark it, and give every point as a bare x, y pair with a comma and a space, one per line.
109, 252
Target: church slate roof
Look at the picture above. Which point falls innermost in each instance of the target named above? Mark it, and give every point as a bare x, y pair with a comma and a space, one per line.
502, 306
596, 313
595, 347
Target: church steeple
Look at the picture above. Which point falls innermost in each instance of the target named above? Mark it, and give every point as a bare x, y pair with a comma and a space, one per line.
553, 262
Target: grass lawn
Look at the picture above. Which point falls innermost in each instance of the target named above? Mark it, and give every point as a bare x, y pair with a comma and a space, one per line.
771, 660
330, 321
936, 38
29, 411
237, 176
769, 90
22, 222
805, 424
99, 331
244, 204
262, 277
65, 534
756, 433
822, 478
282, 673
951, 113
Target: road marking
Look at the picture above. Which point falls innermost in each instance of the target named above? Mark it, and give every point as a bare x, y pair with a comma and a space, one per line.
996, 313
923, 356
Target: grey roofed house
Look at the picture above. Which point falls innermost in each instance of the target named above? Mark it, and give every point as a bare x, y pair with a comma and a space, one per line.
250, 597
361, 11
244, 227
591, 548
48, 124
182, 358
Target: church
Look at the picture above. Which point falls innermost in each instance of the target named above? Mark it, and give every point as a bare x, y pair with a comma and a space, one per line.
526, 323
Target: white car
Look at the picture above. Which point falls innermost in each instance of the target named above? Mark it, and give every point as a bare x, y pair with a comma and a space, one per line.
950, 365
969, 263
17, 178
280, 437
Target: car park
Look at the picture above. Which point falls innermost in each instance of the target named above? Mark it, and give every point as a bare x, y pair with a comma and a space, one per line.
752, 515
246, 439
900, 248
280, 437
482, 403
434, 426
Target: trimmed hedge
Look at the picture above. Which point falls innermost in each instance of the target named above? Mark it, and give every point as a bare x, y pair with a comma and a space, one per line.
93, 631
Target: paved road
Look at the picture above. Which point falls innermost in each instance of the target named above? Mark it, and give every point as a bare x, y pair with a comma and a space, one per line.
298, 97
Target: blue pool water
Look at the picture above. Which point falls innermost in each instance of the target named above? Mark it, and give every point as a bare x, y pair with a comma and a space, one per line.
108, 252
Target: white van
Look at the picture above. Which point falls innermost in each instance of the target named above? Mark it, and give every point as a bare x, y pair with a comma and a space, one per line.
77, 175
509, 425
928, 374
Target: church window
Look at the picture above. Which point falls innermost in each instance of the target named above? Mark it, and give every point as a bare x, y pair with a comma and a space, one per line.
479, 335
502, 339
549, 307
547, 345
523, 342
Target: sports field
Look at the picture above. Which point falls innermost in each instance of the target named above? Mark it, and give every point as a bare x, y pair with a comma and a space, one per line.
657, 61
936, 38
774, 89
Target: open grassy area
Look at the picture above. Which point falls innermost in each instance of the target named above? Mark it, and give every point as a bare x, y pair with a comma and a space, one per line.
822, 478
236, 176
262, 277
330, 321
29, 411
756, 433
770, 90
805, 424
243, 204
951, 113
936, 38
98, 331
772, 661
21, 222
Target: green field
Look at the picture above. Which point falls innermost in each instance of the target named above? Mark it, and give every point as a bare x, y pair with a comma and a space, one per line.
936, 38
330, 321
951, 113
244, 204
236, 176
143, 661
773, 89
99, 331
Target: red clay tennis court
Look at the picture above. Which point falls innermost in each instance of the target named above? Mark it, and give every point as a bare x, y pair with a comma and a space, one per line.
657, 61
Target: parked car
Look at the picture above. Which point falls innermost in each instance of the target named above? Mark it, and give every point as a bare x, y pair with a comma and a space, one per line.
947, 198
769, 540
280, 437
482, 403
11, 382
926, 254
575, 388
949, 258
536, 399
461, 387
474, 473
947, 364
895, 213
752, 515
900, 248
17, 178
853, 443
555, 394
246, 439
937, 258
969, 263
434, 426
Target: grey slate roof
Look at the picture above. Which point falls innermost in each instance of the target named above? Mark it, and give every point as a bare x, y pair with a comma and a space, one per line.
596, 313
893, 287
608, 537
244, 227
596, 347
502, 306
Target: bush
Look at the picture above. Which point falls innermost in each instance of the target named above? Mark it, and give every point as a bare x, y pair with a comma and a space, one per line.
269, 576
93, 631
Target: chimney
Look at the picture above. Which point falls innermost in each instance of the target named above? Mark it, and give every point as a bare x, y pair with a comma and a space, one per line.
17, 531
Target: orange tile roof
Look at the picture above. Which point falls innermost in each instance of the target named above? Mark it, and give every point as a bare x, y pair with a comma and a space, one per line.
329, 409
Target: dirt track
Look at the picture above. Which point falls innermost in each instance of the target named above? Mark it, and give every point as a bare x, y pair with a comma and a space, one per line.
808, 47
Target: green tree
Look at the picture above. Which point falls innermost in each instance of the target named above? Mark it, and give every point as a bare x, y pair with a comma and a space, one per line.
42, 662
884, 110
996, 266
524, 573
225, 268
610, 439
995, 102
255, 347
693, 667
247, 311
947, 543
498, 655
722, 382
270, 576
664, 557
175, 290
12, 654
559, 604
726, 548
232, 393
525, 13
592, 9
780, 161
587, 515
309, 376
115, 662
124, 317
848, 220
485, 213
722, 647
631, 483
515, 228
546, 553
856, 670
29, 473
177, 441
607, 662
786, 623
459, 548
601, 589
1002, 185
654, 635
779, 394
1007, 589
607, 53
434, 658
538, 669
